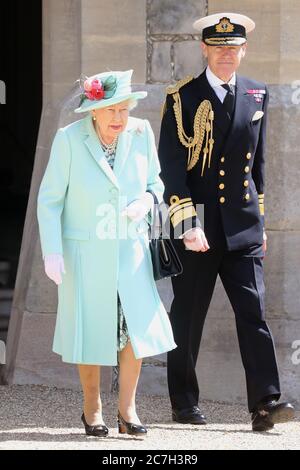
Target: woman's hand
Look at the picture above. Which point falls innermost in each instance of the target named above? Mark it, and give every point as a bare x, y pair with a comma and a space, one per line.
54, 267
138, 209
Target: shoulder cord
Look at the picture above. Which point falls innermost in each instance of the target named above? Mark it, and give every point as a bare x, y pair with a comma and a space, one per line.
203, 127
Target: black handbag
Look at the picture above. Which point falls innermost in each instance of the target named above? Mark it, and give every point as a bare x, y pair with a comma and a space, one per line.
165, 260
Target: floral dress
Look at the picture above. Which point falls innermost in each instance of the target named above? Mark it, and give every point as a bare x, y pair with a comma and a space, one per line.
123, 336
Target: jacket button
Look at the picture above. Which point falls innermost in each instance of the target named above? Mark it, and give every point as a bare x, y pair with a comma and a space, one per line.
222, 172
221, 186
247, 197
222, 159
222, 200
247, 169
246, 183
248, 156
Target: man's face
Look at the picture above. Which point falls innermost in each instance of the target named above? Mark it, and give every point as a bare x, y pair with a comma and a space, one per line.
223, 60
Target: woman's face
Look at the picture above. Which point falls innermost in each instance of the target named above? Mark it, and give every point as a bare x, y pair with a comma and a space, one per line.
112, 120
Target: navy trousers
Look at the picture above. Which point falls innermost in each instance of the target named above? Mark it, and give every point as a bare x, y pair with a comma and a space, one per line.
241, 273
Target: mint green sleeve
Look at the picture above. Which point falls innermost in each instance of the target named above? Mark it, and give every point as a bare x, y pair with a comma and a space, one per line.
51, 196
154, 183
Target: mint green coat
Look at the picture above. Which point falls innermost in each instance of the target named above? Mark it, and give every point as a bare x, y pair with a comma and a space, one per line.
79, 212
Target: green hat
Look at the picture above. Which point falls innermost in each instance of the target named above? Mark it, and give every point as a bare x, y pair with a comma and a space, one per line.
106, 89
224, 29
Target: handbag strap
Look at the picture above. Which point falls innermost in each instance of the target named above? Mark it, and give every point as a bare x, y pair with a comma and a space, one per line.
156, 211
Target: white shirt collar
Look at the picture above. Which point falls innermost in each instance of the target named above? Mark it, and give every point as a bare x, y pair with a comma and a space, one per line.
215, 81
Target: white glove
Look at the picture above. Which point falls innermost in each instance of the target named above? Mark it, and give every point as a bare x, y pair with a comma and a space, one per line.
139, 208
265, 238
54, 266
195, 240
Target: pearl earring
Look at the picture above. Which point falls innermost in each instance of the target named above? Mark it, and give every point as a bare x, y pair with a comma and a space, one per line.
94, 118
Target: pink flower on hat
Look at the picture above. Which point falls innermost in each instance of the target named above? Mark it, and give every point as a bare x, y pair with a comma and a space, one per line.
93, 89
96, 89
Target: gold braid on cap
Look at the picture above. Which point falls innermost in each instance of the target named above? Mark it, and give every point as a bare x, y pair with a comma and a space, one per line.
203, 128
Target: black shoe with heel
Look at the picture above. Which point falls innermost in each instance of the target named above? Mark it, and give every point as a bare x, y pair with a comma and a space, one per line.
99, 430
130, 428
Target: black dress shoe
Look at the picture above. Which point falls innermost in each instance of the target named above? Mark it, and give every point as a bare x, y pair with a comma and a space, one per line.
268, 414
191, 415
130, 428
99, 430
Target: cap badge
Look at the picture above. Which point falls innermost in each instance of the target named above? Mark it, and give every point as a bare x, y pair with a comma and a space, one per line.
224, 26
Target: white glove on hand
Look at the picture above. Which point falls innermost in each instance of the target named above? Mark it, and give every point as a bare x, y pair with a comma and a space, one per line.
54, 266
265, 238
195, 240
138, 209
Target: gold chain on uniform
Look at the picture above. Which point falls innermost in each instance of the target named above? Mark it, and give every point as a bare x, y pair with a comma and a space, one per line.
203, 127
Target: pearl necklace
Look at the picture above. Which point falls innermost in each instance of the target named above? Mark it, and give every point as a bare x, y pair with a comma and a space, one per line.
108, 149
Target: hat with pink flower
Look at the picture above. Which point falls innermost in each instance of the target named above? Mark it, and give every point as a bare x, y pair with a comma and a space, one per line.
106, 89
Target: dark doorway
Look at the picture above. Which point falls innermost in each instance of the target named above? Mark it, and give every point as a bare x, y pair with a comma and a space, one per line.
21, 72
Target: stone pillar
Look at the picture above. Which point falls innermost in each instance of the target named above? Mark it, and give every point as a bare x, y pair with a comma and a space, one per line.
79, 37
113, 37
28, 357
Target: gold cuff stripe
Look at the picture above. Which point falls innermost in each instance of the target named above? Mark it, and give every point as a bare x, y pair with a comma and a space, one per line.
261, 209
261, 205
179, 202
181, 206
183, 214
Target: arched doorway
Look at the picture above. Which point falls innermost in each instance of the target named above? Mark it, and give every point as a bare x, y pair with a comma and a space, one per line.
21, 72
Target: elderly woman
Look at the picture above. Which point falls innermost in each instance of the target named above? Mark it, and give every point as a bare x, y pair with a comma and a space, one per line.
93, 207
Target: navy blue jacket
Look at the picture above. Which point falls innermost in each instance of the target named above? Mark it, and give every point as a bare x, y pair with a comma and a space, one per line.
232, 189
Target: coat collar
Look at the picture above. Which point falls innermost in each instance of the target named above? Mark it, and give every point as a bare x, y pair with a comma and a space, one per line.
95, 149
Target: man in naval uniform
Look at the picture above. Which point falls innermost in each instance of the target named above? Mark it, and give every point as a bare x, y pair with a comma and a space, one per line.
212, 153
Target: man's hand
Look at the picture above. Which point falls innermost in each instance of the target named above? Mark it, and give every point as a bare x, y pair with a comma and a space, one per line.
265, 238
54, 266
195, 240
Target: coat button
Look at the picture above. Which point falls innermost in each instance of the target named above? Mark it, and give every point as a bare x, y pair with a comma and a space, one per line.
247, 197
248, 156
246, 183
222, 200
221, 186
247, 169
222, 159
222, 172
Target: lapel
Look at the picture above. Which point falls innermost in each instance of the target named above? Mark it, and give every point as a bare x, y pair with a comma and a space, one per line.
123, 149
95, 149
242, 113
205, 91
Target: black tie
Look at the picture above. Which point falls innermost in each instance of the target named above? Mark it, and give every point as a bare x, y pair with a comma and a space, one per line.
229, 99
